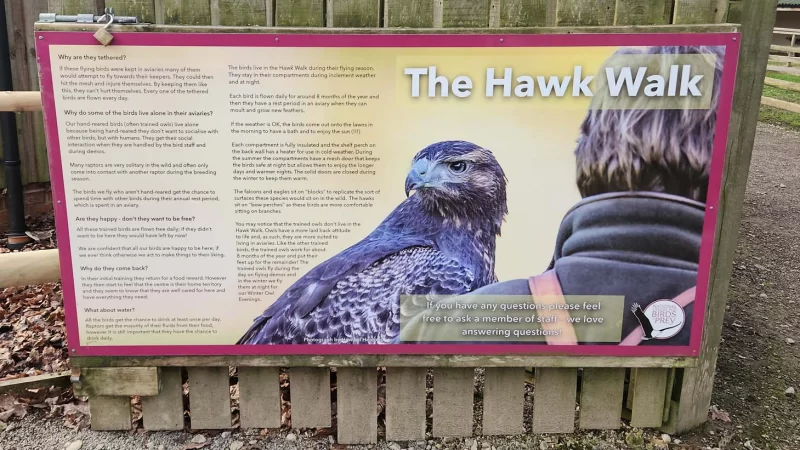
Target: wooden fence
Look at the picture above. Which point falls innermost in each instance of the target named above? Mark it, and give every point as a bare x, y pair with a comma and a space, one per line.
784, 59
332, 13
671, 393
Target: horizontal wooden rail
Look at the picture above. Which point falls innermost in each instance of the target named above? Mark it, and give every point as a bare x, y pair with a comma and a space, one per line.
403, 360
19, 101
780, 104
20, 385
788, 85
786, 31
784, 48
789, 61
784, 69
25, 268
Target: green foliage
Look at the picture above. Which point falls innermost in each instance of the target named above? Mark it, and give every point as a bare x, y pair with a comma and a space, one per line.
784, 76
781, 94
776, 116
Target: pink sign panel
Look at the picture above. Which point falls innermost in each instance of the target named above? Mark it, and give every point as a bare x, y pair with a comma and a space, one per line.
277, 194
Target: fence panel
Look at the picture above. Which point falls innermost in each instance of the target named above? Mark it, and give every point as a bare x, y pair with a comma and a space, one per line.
643, 12
165, 410
209, 398
503, 401
523, 13
310, 392
601, 398
405, 403
300, 13
243, 13
354, 13
259, 397
145, 10
453, 402
585, 12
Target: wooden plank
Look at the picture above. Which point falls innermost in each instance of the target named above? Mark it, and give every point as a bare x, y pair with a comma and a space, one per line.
585, 12
165, 410
780, 104
734, 12
18, 385
523, 13
788, 61
110, 413
118, 381
145, 10
159, 11
647, 409
601, 398
214, 11
187, 12
354, 13
244, 13
687, 28
25, 77
453, 402
781, 30
643, 12
209, 398
357, 405
405, 404
299, 13
779, 69
408, 13
465, 13
72, 6
721, 11
374, 360
310, 391
503, 401
31, 15
552, 14
259, 397
788, 85
19, 101
784, 48
694, 11
554, 394
24, 268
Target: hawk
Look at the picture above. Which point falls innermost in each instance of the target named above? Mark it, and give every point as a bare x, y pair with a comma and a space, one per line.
439, 241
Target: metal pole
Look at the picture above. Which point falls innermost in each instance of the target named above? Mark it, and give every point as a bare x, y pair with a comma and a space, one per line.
8, 130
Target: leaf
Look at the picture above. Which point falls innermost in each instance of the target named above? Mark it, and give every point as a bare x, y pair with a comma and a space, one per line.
7, 402
718, 414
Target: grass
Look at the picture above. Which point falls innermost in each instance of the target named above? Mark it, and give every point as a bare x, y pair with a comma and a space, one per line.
784, 76
774, 116
781, 94
777, 116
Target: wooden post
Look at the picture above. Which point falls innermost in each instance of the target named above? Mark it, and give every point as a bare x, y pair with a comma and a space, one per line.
758, 19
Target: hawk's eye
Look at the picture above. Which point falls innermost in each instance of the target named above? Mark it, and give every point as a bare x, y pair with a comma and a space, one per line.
458, 166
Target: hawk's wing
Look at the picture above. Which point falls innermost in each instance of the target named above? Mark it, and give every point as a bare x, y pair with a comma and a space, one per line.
364, 306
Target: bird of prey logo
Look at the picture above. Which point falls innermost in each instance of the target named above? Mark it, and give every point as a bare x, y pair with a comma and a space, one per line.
439, 241
660, 320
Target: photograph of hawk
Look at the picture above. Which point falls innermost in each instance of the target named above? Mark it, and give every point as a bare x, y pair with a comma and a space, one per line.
439, 241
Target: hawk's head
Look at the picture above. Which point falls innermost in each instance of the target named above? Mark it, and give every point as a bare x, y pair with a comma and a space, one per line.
460, 180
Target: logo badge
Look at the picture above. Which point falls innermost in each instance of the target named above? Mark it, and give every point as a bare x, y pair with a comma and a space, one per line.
662, 319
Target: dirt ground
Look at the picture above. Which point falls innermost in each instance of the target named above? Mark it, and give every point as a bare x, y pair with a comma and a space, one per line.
760, 353
759, 357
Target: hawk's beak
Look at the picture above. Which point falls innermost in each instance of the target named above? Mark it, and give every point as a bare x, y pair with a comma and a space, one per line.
418, 177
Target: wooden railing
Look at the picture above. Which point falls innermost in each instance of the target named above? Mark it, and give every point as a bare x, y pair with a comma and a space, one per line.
784, 59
